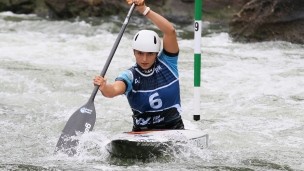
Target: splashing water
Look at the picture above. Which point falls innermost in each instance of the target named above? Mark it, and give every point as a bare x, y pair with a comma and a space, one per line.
252, 97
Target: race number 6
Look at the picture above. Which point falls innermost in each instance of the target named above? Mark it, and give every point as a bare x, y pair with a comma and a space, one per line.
155, 101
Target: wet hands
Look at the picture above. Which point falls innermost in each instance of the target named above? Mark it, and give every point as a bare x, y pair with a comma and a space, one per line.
137, 2
140, 5
100, 81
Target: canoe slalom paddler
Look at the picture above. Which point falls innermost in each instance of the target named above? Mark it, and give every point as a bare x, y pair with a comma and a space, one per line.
152, 84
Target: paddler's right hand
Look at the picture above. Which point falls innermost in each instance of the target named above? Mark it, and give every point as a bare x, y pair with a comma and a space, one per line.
100, 81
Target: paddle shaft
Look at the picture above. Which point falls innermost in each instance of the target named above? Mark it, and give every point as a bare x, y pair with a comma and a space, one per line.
110, 57
83, 119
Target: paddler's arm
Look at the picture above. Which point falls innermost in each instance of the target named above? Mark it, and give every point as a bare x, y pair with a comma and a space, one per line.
170, 43
109, 90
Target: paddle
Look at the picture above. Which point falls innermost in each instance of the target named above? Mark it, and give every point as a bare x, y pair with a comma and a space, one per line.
83, 119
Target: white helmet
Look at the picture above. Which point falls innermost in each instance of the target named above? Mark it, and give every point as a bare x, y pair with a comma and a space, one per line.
146, 41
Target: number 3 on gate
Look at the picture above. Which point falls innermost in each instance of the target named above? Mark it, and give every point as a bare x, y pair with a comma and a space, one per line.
155, 101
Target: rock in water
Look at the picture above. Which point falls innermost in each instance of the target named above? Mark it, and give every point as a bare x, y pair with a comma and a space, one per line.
269, 20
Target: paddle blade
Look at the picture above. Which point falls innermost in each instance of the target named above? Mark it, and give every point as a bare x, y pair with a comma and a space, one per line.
82, 120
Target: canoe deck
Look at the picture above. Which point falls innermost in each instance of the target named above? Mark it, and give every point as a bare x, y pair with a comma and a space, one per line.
147, 144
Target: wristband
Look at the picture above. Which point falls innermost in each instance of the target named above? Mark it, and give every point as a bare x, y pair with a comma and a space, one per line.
146, 11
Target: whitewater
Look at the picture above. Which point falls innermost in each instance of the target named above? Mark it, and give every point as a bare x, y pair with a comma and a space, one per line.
252, 96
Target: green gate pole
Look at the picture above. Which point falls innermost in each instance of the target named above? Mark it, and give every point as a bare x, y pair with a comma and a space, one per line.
197, 58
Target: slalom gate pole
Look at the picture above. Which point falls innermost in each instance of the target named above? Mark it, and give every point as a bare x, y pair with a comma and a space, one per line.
197, 58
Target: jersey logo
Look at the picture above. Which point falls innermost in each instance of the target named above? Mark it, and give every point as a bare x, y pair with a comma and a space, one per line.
142, 121
137, 81
158, 68
156, 119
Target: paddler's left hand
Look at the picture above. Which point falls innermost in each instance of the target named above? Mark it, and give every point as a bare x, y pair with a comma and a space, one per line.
137, 2
140, 5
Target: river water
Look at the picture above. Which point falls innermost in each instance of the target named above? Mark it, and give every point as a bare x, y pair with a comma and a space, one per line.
252, 96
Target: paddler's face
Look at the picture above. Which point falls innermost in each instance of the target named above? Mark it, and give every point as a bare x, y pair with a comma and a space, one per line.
145, 59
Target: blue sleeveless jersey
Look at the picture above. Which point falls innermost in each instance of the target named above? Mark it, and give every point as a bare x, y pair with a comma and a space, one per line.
155, 97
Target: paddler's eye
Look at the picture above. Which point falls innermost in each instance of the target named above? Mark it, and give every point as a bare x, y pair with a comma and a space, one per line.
150, 53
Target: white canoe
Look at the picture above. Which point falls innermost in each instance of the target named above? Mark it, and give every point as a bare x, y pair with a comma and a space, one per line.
152, 143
